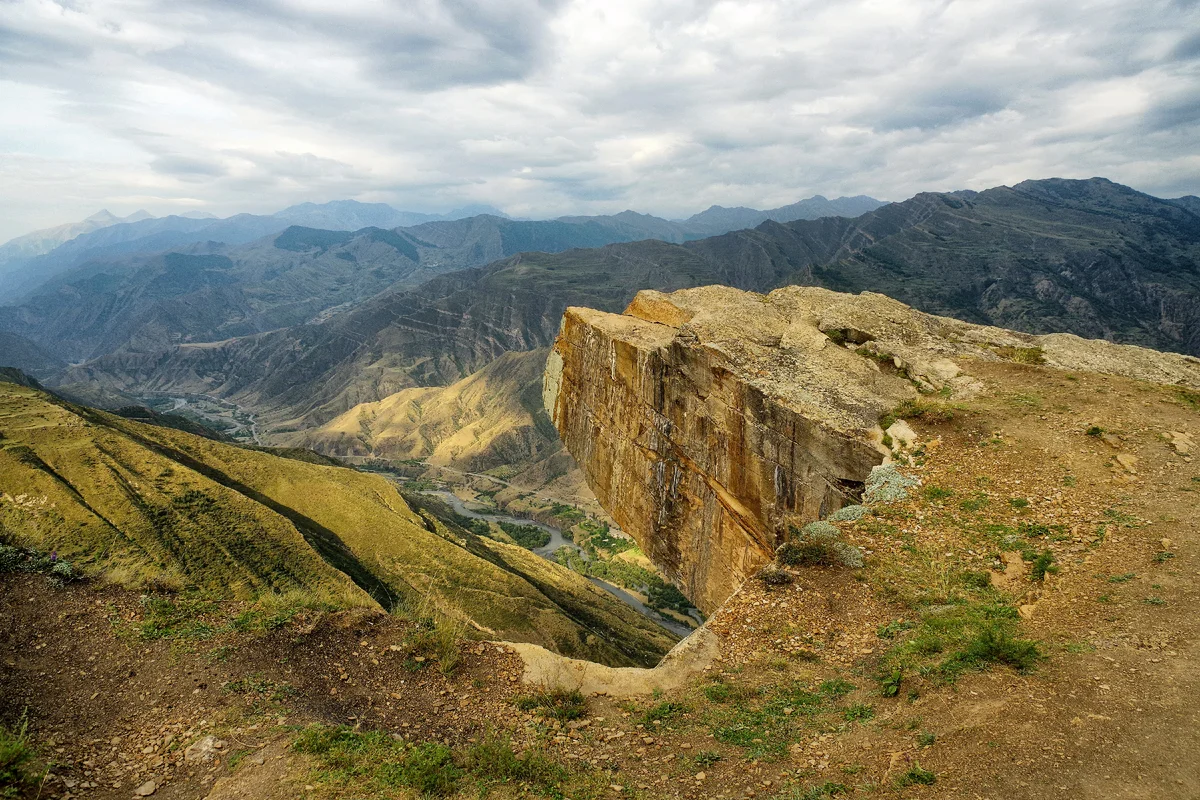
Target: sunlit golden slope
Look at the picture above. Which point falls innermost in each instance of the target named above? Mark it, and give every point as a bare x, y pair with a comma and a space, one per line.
490, 418
150, 506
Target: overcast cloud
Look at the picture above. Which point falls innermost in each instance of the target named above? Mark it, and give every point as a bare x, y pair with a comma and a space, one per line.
546, 107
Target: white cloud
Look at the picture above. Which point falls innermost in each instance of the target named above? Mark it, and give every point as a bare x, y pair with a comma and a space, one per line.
588, 106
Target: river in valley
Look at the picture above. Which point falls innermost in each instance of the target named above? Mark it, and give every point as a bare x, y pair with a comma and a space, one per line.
557, 540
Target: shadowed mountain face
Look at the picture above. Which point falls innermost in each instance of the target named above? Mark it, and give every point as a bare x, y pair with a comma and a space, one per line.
151, 303
1087, 257
108, 302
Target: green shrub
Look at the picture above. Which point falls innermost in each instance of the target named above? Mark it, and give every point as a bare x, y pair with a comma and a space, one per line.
994, 644
1041, 565
858, 712
889, 685
430, 769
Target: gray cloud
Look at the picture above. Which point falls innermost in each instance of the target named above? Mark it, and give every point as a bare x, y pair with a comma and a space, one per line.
582, 106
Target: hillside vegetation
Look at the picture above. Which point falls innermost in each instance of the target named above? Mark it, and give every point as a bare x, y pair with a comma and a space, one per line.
162, 510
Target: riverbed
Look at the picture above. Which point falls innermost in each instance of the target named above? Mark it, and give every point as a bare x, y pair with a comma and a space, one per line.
557, 541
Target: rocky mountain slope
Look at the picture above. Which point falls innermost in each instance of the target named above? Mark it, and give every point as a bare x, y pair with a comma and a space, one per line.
1089, 257
491, 418
93, 286
1021, 620
719, 219
709, 422
160, 510
149, 303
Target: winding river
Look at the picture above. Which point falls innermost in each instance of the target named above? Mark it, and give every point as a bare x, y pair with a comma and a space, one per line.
547, 552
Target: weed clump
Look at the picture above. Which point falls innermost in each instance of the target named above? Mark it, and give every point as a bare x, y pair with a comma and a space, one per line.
916, 776
994, 644
376, 764
886, 484
773, 575
1021, 355
21, 559
818, 544
18, 770
555, 703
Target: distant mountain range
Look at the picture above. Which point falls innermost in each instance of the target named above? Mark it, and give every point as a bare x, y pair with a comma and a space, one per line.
1089, 257
31, 261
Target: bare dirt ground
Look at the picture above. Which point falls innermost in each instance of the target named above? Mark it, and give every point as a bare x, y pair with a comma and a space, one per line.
1110, 712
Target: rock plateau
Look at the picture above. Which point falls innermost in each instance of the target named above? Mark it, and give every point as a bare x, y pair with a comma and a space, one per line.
708, 420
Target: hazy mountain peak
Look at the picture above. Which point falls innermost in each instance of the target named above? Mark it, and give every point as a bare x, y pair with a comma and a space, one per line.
103, 215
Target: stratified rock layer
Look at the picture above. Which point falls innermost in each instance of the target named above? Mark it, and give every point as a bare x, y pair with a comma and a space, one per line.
708, 420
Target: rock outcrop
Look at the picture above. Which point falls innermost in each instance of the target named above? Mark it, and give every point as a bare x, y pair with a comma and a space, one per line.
708, 420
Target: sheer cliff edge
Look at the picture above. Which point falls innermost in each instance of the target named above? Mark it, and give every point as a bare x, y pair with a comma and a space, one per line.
708, 420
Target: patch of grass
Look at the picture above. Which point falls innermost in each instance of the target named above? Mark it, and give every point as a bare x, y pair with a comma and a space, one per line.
664, 712
766, 724
1018, 502
815, 792
916, 776
373, 763
975, 502
1021, 355
1163, 556
1094, 430
894, 628
706, 758
836, 688
189, 616
972, 630
859, 712
995, 644
926, 739
932, 492
19, 772
925, 409
1154, 600
1128, 576
554, 703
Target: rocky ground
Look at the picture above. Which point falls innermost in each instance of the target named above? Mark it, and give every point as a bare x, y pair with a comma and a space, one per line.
1096, 471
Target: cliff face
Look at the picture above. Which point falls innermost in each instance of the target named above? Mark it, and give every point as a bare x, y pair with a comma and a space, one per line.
708, 420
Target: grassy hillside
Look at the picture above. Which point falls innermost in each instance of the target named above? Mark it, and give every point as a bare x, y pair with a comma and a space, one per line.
161, 509
492, 417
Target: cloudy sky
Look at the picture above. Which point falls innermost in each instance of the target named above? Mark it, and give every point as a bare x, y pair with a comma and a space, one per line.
544, 107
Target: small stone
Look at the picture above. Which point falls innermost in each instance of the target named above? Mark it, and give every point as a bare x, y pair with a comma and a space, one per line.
146, 789
202, 751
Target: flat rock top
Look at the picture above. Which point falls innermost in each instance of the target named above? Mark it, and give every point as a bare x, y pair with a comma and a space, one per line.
845, 358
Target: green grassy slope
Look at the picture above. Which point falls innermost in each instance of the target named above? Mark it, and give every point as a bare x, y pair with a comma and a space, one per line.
154, 507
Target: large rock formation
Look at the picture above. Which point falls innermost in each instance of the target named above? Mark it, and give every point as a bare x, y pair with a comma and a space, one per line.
708, 420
